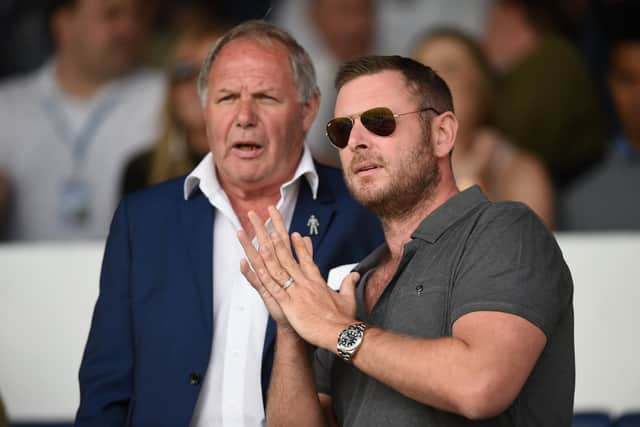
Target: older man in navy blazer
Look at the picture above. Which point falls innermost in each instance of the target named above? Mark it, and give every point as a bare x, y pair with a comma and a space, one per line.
178, 337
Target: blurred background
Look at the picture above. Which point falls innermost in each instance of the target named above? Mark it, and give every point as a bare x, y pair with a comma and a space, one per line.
98, 99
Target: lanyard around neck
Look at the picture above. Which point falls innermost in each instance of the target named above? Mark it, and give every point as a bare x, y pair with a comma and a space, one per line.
79, 143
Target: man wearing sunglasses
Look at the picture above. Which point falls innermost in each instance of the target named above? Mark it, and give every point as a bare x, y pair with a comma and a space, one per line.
463, 318
178, 337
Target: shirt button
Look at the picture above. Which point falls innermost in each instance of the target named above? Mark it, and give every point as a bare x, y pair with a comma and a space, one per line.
194, 378
419, 289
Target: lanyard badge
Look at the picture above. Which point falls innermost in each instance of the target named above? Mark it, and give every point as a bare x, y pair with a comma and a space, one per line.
76, 194
75, 201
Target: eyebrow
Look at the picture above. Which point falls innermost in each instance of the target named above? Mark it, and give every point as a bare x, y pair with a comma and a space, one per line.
259, 90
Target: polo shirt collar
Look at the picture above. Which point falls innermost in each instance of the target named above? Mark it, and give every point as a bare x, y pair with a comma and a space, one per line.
449, 213
434, 225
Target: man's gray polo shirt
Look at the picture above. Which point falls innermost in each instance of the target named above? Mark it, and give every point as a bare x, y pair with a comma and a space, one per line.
468, 255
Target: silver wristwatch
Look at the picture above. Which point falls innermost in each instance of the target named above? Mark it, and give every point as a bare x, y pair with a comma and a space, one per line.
350, 339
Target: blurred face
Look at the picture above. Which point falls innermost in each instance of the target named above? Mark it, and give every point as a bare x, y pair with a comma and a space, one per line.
506, 27
184, 100
624, 80
391, 174
255, 121
104, 36
346, 25
454, 63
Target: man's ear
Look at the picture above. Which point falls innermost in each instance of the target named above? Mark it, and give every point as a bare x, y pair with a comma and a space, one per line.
309, 112
443, 133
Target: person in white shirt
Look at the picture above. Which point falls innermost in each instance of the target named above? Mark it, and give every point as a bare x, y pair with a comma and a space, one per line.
69, 127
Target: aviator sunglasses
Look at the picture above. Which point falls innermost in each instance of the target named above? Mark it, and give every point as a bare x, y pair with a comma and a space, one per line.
380, 121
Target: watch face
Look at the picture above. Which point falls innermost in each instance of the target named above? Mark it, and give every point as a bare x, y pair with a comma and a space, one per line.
350, 338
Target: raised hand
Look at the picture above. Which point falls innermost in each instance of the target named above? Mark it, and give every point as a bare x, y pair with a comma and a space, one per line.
255, 270
309, 306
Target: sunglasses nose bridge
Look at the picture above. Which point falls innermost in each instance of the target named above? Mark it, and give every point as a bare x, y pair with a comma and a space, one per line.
357, 136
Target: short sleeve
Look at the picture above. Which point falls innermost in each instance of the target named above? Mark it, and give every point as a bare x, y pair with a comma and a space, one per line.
512, 263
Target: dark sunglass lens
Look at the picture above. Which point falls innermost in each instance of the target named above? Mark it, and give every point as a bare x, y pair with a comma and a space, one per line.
338, 131
379, 121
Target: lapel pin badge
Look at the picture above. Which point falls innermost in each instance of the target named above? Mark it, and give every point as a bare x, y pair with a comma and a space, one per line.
313, 225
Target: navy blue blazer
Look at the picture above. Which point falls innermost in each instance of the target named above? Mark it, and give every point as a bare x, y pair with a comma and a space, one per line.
150, 338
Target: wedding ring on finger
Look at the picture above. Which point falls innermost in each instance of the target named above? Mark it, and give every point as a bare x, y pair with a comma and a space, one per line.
288, 283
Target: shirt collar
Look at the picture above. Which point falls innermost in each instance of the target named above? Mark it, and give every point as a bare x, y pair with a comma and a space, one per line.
204, 172
449, 213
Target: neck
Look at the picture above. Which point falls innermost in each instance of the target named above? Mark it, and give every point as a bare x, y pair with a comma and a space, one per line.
259, 204
251, 196
74, 81
256, 199
397, 231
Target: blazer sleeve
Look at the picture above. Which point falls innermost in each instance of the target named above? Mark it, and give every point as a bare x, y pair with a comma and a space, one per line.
106, 371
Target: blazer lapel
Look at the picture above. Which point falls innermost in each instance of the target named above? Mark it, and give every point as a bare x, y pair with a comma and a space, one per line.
198, 232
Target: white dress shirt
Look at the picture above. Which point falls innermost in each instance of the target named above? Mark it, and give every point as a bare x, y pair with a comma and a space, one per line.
231, 393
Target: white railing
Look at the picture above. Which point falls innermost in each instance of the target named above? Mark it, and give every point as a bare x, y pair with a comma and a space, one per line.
47, 292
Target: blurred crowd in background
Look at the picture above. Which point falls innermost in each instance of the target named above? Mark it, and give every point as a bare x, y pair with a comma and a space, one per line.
98, 98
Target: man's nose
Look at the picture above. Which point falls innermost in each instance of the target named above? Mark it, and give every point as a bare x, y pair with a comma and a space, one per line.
358, 138
246, 115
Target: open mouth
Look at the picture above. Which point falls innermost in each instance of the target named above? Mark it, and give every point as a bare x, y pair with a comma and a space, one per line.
246, 146
247, 150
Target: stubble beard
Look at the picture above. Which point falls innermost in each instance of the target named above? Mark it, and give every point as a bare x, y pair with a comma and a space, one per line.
412, 183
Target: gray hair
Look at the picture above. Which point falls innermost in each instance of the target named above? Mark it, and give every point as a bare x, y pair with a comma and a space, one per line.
304, 73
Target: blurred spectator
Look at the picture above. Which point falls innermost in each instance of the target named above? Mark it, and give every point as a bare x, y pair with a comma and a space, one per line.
401, 20
170, 19
68, 127
183, 141
332, 31
482, 155
607, 197
547, 102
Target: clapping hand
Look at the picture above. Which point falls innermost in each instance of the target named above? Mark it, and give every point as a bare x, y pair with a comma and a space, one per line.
294, 292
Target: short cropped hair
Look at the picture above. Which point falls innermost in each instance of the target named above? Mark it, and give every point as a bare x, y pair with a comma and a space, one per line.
427, 86
304, 73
